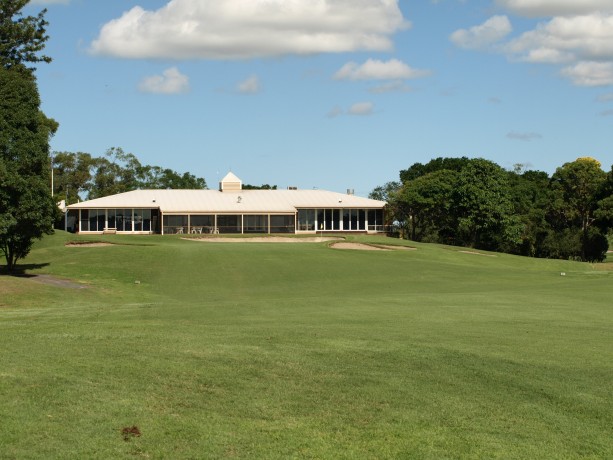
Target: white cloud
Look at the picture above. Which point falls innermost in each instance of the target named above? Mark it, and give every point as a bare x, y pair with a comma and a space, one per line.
172, 81
361, 109
533, 8
524, 136
587, 73
566, 39
578, 37
374, 69
250, 86
484, 35
238, 29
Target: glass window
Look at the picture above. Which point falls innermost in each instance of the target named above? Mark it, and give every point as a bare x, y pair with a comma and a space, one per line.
321, 219
111, 218
328, 224
84, 224
146, 220
255, 224
336, 219
119, 219
375, 219
306, 219
93, 220
175, 224
202, 223
361, 218
101, 219
127, 220
138, 220
282, 224
229, 224
347, 219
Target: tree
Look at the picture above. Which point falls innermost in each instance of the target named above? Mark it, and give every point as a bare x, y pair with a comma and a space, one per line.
72, 175
483, 206
27, 210
531, 196
259, 187
579, 184
79, 175
388, 193
21, 38
437, 164
427, 203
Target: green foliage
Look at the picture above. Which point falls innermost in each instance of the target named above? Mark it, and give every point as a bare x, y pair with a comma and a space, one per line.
483, 207
72, 175
437, 164
426, 205
474, 202
80, 174
579, 184
27, 210
259, 187
21, 38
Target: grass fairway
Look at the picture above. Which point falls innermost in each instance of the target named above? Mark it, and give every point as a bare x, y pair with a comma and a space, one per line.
268, 350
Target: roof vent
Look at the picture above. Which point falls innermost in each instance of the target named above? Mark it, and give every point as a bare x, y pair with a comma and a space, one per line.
230, 183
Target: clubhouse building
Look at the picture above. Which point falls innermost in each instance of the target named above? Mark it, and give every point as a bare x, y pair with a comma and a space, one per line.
227, 210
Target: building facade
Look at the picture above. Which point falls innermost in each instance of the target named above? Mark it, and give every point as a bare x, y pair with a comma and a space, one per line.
227, 210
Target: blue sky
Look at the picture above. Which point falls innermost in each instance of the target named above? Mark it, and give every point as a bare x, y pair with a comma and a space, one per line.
332, 94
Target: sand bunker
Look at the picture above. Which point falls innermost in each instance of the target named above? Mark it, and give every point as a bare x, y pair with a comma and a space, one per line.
369, 247
264, 239
91, 244
477, 253
358, 246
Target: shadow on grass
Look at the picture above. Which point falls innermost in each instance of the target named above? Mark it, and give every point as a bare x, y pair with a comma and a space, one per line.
20, 270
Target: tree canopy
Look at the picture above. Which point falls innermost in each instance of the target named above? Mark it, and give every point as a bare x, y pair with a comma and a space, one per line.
21, 38
27, 209
475, 202
81, 176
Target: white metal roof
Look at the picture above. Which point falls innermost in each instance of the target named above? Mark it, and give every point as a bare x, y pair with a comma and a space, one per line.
243, 201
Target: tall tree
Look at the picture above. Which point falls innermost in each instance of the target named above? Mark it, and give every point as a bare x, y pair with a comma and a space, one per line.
427, 202
531, 197
72, 175
579, 184
21, 38
27, 209
483, 205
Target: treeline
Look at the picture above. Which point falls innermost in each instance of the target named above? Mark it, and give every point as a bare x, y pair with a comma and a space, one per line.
78, 176
477, 203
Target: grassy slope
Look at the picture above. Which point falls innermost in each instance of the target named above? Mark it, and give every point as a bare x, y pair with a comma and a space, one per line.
298, 350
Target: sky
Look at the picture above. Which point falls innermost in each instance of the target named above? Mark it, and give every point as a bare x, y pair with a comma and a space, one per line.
330, 94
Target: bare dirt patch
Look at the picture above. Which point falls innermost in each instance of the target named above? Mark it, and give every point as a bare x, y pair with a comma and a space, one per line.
58, 282
130, 432
264, 239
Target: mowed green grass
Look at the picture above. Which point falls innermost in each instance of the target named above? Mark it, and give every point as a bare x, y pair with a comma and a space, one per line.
271, 350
